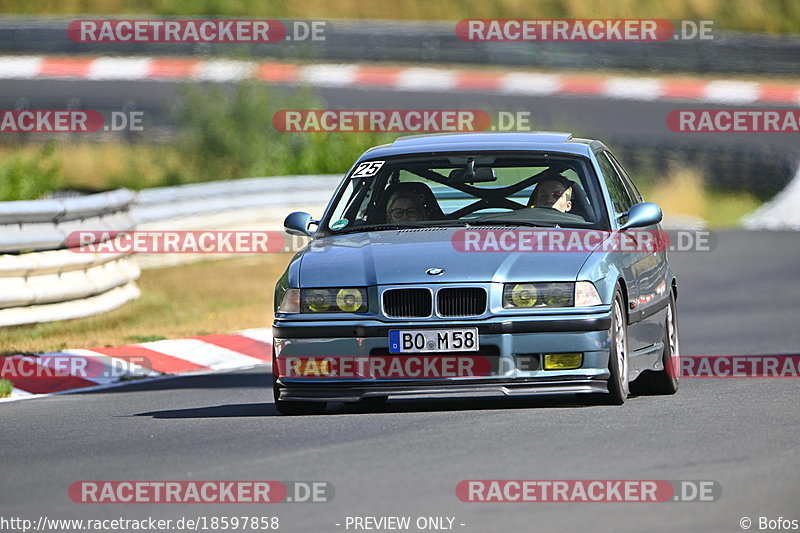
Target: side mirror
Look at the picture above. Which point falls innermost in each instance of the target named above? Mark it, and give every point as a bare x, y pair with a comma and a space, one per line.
298, 223
641, 215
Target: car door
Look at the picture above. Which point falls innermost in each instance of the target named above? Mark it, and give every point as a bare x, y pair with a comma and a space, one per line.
651, 271
632, 262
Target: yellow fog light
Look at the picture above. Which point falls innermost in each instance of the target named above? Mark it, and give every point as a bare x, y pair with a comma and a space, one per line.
562, 361
349, 300
313, 367
523, 295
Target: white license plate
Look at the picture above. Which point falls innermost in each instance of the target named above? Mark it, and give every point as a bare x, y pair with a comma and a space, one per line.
433, 340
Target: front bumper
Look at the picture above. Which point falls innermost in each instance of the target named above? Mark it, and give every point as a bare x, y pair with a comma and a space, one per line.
350, 392
515, 349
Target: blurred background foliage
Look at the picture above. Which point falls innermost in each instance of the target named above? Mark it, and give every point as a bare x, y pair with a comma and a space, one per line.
235, 137
768, 16
25, 175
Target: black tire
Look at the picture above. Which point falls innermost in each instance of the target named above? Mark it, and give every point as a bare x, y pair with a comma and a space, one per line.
618, 382
292, 407
666, 381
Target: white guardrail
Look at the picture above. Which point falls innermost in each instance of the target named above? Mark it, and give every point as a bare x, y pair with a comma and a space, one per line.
41, 280
246, 204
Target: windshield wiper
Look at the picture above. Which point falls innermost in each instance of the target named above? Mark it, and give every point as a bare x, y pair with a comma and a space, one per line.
378, 227
479, 222
484, 222
443, 224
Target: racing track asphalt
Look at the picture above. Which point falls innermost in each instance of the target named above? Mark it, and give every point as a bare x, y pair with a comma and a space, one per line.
406, 458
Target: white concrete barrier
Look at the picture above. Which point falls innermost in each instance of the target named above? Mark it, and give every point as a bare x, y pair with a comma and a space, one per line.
41, 279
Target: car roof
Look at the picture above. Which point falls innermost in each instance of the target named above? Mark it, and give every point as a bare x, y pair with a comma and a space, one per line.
539, 141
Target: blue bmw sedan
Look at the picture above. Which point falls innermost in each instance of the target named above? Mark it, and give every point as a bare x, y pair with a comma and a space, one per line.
481, 263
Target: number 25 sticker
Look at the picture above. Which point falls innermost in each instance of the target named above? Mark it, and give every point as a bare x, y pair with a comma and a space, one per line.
366, 170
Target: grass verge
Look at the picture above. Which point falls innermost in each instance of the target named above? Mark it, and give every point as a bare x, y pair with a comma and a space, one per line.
185, 301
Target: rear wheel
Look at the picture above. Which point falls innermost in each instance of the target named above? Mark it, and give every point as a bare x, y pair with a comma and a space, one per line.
657, 382
291, 407
618, 382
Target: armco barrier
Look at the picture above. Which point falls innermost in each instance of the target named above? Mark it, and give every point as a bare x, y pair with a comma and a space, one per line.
41, 280
271, 197
252, 203
44, 224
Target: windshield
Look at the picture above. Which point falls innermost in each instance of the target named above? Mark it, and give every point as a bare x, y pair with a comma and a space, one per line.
461, 190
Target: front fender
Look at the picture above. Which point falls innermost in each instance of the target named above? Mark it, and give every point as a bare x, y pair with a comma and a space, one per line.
603, 269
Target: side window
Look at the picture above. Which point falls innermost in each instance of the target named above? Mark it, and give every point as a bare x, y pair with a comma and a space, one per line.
634, 192
620, 196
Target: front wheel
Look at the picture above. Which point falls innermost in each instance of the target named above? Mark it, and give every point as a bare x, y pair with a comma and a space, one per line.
665, 381
618, 382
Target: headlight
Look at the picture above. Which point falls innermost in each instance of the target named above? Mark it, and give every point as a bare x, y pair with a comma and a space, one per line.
317, 301
530, 295
522, 295
586, 294
349, 300
558, 294
345, 300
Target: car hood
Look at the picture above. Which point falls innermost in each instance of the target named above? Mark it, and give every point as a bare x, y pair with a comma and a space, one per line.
403, 256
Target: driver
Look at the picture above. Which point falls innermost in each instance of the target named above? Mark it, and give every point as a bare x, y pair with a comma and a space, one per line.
405, 207
554, 192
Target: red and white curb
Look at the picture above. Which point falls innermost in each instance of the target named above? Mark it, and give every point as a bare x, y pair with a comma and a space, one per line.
402, 78
81, 370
